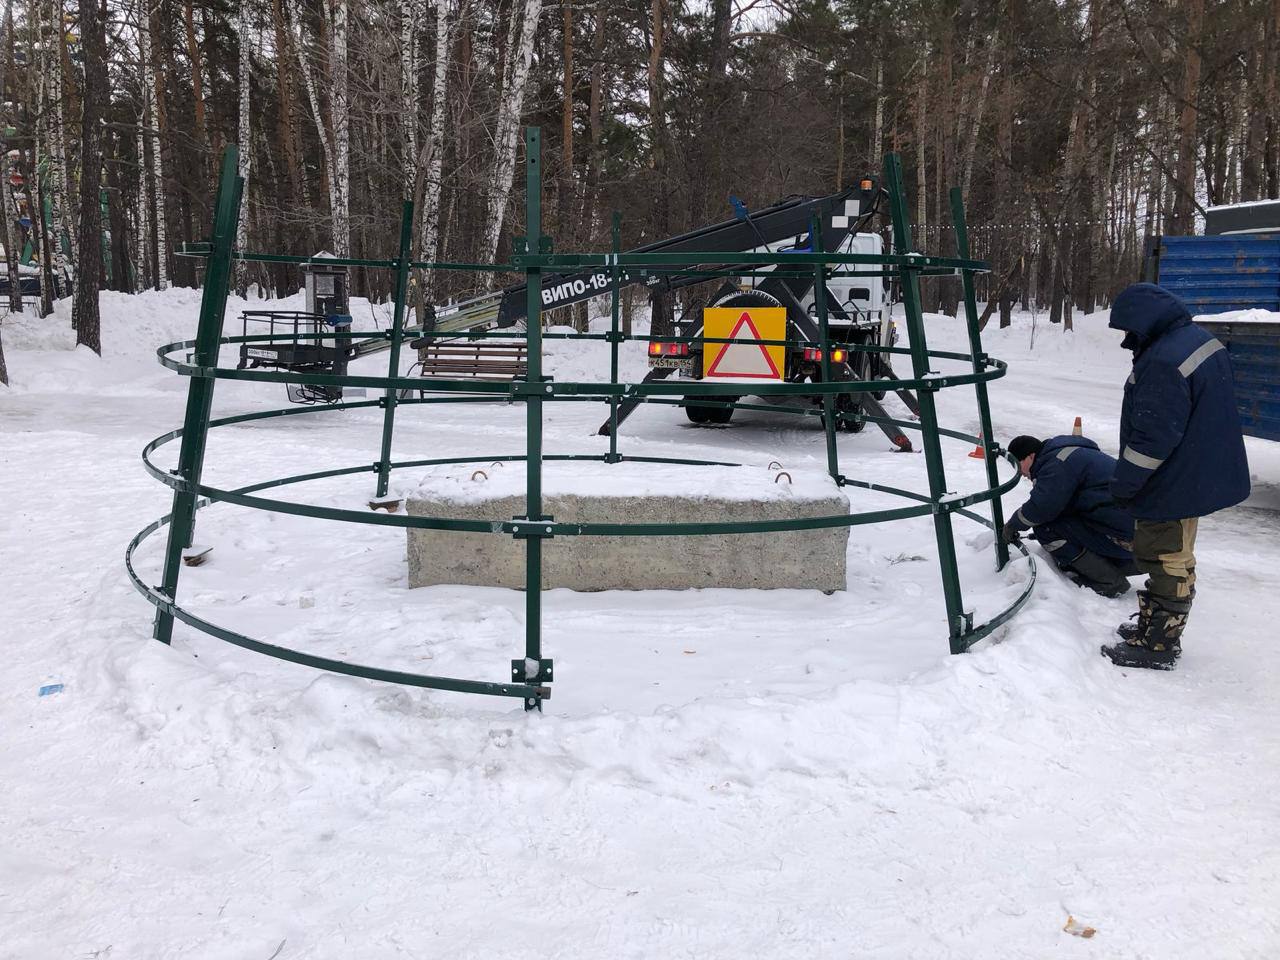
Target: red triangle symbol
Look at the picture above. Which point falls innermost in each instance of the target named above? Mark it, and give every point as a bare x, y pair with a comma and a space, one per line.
744, 355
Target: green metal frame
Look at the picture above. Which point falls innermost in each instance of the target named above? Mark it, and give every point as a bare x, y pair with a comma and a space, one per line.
532, 674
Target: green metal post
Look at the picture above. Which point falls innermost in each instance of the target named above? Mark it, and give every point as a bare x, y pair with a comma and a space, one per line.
614, 344
213, 304
957, 621
820, 299
533, 405
397, 338
980, 387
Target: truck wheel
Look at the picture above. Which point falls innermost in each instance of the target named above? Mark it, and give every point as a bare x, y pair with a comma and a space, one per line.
698, 415
722, 414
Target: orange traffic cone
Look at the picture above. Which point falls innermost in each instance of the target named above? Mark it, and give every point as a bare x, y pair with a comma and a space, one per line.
1077, 430
979, 452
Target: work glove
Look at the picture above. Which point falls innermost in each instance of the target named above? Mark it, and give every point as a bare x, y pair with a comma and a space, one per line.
1010, 534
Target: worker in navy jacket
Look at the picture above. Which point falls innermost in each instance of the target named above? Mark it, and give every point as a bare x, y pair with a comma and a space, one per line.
1072, 513
1181, 457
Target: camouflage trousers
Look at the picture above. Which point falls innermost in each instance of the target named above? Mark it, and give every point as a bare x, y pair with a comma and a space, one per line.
1165, 551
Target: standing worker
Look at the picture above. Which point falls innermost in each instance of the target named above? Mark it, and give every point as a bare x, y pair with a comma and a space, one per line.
1181, 458
1071, 511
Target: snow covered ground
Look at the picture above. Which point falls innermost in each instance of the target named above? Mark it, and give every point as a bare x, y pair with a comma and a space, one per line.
719, 773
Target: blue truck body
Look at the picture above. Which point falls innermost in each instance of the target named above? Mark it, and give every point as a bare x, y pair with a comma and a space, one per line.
1224, 273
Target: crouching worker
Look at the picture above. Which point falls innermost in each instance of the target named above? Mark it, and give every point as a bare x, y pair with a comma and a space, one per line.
1071, 511
1181, 457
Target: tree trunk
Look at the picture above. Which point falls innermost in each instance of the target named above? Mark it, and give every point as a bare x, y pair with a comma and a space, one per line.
339, 108
1183, 218
566, 126
10, 251
84, 309
313, 100
151, 120
877, 132
292, 139
245, 142
197, 75
510, 108
142, 219
430, 245
408, 97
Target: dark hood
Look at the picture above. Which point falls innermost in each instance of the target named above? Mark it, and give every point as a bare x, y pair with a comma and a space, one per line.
1054, 444
1147, 311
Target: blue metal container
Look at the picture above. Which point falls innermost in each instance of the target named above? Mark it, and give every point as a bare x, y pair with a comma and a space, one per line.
1255, 361
1218, 274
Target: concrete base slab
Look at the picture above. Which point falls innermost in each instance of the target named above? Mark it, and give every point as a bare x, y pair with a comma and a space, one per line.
632, 493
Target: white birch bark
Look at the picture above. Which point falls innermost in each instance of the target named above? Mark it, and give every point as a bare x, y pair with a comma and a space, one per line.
313, 101
142, 216
338, 104
430, 245
151, 121
408, 96
57, 147
510, 107
877, 134
971, 146
245, 138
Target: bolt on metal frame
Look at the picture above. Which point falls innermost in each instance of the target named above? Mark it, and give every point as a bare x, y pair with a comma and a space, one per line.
532, 255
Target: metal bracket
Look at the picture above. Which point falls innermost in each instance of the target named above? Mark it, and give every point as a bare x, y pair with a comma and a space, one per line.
519, 672
545, 245
523, 388
522, 528
519, 246
612, 336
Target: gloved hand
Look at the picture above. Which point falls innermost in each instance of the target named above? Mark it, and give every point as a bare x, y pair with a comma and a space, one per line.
1009, 533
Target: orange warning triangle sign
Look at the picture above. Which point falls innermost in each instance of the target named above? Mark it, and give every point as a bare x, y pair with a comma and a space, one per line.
744, 358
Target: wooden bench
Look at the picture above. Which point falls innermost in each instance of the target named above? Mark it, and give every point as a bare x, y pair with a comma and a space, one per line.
486, 361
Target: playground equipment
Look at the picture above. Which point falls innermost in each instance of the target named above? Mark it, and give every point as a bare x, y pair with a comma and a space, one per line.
532, 673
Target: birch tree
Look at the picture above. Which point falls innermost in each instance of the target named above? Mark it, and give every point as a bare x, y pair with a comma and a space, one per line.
510, 108
430, 243
152, 124
57, 151
313, 101
339, 109
10, 250
408, 94
245, 142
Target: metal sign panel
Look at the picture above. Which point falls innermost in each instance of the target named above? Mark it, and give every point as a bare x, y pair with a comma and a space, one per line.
744, 357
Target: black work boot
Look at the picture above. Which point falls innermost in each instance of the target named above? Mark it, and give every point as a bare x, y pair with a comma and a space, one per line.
1159, 644
1130, 631
1098, 574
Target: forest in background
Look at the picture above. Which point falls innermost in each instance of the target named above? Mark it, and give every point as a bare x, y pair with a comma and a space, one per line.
1077, 128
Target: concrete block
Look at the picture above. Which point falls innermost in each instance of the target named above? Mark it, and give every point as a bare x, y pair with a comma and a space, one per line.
627, 492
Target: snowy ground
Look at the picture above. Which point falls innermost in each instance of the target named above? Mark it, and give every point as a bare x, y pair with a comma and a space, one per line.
719, 773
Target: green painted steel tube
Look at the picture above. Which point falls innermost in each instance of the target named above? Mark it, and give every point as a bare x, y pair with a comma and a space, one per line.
824, 344
166, 607
615, 340
956, 619
989, 446
917, 261
533, 403
213, 304
397, 338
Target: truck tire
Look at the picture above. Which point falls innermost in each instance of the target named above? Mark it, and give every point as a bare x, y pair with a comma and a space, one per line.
698, 415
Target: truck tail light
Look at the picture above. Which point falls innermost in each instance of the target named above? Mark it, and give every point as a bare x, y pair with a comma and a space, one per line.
657, 349
815, 354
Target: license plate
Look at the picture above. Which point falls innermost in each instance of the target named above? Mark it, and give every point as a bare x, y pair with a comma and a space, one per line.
260, 354
672, 363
